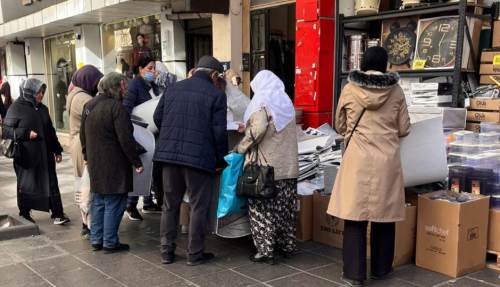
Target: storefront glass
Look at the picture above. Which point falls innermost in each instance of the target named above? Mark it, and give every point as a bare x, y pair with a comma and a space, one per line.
60, 60
124, 43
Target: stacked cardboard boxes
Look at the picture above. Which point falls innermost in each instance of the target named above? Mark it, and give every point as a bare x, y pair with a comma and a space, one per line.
482, 110
490, 65
304, 218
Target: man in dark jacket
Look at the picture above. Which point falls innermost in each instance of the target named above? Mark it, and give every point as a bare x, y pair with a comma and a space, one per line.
192, 144
110, 151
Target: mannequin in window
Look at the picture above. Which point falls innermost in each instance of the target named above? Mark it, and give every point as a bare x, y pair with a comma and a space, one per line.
141, 50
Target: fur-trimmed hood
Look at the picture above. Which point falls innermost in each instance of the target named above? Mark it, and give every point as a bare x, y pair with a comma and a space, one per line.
372, 89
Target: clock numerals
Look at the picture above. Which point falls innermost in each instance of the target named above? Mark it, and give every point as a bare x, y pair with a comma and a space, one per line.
436, 59
453, 44
444, 28
427, 42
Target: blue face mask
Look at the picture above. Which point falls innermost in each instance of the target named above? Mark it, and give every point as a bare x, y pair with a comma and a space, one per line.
149, 76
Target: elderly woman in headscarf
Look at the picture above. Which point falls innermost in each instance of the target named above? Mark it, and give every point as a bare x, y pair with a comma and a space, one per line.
270, 127
110, 150
28, 122
84, 88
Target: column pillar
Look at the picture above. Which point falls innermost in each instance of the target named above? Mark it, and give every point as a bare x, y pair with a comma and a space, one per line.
173, 47
35, 64
227, 35
88, 48
16, 66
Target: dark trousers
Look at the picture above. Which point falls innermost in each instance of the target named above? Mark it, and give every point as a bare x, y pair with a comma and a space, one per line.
200, 185
382, 248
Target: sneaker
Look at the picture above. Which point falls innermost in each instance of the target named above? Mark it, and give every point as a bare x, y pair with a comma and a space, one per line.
153, 209
119, 248
205, 257
167, 258
61, 220
133, 214
85, 233
28, 217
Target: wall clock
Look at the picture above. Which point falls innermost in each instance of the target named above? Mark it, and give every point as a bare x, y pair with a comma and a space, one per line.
437, 42
399, 38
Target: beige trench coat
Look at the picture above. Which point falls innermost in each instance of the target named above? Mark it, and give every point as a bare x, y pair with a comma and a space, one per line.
369, 185
278, 149
76, 100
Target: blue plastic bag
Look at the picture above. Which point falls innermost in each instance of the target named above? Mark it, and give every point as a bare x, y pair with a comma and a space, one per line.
229, 202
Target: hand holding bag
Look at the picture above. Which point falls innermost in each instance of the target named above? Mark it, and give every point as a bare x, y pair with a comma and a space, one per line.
10, 147
257, 180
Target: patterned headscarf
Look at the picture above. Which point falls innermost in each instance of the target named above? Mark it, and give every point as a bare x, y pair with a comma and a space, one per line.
164, 79
110, 85
29, 88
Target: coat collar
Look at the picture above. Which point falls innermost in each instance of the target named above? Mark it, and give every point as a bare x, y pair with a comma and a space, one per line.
374, 80
202, 75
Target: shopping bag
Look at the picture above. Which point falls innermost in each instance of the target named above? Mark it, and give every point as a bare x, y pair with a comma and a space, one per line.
142, 182
229, 202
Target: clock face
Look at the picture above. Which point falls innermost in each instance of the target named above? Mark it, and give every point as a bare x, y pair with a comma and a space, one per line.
437, 42
400, 45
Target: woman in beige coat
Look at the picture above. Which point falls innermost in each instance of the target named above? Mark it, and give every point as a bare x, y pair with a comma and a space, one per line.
372, 116
270, 120
84, 88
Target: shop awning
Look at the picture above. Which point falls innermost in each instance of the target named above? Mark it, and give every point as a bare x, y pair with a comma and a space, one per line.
64, 16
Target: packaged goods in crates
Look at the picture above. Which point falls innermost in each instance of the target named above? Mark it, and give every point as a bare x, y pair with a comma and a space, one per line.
452, 235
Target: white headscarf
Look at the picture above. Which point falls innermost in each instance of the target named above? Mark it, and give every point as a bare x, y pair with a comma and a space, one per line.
269, 92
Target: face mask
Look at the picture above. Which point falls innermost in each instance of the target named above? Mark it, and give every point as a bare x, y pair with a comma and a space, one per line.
148, 76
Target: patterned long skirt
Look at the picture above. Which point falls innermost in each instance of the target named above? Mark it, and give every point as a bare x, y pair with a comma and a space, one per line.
272, 221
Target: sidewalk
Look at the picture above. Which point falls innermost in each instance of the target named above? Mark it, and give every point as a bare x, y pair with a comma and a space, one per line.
59, 257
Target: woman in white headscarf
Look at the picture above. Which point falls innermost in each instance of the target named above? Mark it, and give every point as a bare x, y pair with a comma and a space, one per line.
270, 121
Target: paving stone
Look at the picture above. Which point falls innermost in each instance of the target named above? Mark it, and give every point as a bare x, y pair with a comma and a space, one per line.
330, 272
181, 269
327, 251
64, 235
265, 272
130, 269
226, 278
302, 280
81, 277
306, 261
55, 265
7, 259
40, 253
25, 243
420, 276
467, 282
76, 247
487, 275
19, 275
234, 258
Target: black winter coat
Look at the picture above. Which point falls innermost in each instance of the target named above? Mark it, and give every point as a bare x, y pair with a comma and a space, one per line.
36, 167
138, 93
108, 146
191, 117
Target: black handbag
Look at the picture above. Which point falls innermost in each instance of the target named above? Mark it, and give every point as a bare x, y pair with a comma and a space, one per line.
10, 147
257, 180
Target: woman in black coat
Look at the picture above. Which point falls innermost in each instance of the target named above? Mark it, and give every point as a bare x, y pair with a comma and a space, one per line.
28, 122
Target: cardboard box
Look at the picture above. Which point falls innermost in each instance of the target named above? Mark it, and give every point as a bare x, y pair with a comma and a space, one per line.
487, 80
496, 34
485, 104
489, 69
304, 219
473, 127
406, 236
482, 116
327, 229
488, 55
452, 237
494, 231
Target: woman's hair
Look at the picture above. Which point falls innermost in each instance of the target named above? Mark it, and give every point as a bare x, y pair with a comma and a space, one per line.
144, 61
375, 59
139, 34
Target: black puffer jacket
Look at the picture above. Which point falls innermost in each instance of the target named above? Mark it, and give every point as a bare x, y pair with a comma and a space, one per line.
191, 117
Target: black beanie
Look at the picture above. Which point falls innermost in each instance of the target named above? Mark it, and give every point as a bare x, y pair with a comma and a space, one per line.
210, 62
375, 59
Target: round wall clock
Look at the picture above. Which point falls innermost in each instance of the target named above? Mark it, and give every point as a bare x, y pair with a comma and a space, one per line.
400, 43
437, 42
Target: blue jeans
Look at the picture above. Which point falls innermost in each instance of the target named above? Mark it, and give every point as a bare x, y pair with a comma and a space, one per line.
107, 212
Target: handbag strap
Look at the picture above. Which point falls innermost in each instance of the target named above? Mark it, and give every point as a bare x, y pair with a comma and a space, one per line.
258, 151
354, 128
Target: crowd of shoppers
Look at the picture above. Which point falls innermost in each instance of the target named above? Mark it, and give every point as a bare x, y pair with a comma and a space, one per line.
192, 117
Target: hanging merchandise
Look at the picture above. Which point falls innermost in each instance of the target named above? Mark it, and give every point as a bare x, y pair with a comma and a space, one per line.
366, 7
